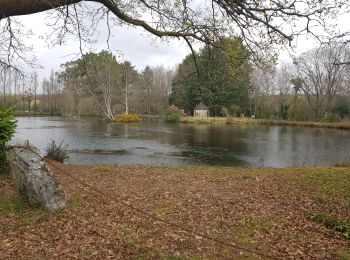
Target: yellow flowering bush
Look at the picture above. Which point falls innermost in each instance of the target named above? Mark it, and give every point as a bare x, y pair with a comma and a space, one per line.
128, 118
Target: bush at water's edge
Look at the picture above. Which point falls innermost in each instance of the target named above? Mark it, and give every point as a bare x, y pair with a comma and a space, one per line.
123, 118
172, 115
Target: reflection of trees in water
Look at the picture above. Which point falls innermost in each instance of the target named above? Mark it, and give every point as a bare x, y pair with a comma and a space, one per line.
214, 145
211, 136
217, 157
126, 130
234, 145
183, 144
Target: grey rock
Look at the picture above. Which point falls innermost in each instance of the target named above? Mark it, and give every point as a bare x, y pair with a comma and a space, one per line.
34, 180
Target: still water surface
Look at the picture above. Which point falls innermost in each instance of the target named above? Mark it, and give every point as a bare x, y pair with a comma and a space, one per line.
93, 141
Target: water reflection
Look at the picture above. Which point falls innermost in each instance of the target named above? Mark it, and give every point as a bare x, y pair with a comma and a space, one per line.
94, 141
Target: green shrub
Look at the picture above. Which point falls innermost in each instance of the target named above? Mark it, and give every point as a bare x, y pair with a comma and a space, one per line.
172, 115
127, 118
329, 118
7, 129
57, 152
172, 118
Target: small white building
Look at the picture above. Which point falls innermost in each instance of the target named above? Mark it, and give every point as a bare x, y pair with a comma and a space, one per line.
201, 110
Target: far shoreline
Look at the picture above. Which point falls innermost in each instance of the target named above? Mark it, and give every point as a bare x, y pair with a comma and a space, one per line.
251, 121
218, 120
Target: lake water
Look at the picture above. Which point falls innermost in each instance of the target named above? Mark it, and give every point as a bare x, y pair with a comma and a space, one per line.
93, 141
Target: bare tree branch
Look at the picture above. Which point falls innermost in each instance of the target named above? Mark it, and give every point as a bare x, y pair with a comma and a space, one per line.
262, 24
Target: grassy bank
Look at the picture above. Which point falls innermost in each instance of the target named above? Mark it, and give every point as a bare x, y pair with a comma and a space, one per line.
237, 120
29, 114
256, 213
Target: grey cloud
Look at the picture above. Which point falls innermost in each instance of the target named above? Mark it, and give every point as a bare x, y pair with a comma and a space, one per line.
136, 45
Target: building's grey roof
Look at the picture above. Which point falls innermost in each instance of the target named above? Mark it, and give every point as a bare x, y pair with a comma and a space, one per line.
201, 106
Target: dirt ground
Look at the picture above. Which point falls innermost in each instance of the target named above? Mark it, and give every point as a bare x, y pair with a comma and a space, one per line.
137, 212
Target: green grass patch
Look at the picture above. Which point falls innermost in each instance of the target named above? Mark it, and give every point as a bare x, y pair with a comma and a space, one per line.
12, 203
343, 255
133, 241
165, 208
14, 206
329, 183
331, 222
29, 218
144, 251
330, 179
162, 256
247, 227
75, 202
39, 216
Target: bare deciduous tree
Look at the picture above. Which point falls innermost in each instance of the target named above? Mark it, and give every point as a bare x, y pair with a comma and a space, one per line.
262, 86
34, 82
104, 86
320, 78
4, 81
260, 23
284, 88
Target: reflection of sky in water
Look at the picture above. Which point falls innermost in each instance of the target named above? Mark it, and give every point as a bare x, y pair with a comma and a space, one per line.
93, 141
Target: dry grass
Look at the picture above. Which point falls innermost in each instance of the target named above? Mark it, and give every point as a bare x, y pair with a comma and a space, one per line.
260, 210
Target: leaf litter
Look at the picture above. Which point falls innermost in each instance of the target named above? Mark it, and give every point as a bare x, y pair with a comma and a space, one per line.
258, 213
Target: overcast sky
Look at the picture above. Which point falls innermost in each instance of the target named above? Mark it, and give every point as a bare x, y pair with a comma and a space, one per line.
134, 44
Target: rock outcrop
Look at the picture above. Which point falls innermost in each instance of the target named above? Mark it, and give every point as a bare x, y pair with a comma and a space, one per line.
34, 180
